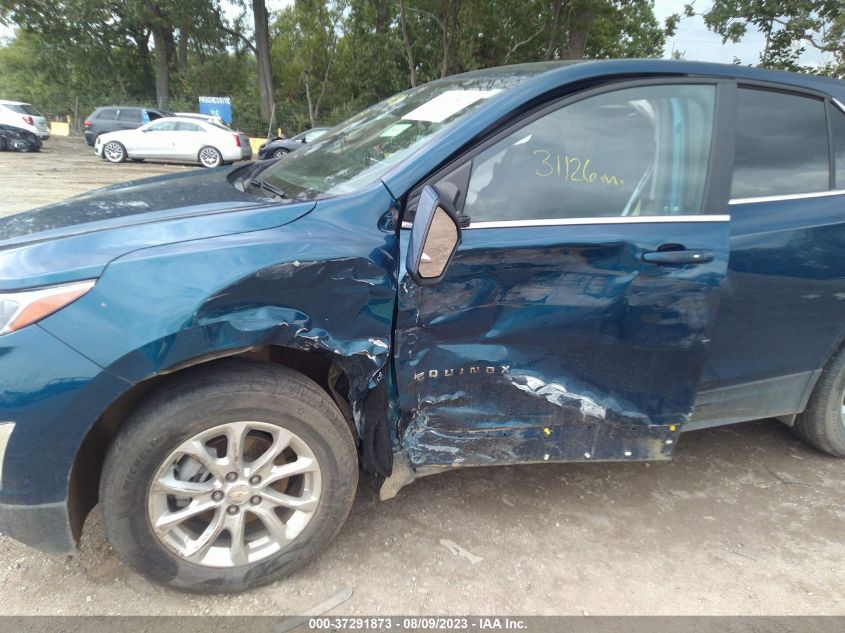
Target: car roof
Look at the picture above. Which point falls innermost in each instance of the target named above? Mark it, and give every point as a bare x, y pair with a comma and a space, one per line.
7, 102
125, 107
183, 119
660, 66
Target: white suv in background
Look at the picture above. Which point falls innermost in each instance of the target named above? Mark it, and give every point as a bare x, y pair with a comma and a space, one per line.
24, 116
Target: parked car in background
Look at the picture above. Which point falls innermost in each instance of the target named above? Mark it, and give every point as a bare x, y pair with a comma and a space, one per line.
280, 147
13, 138
176, 139
22, 115
114, 118
541, 263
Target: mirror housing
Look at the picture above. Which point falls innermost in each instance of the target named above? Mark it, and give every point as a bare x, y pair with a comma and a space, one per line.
435, 237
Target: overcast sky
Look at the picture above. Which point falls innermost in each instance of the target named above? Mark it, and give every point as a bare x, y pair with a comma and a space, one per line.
692, 38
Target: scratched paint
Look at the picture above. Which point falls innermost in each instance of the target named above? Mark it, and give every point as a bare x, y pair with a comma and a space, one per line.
552, 346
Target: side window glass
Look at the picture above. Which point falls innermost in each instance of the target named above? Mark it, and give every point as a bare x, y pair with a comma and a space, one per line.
163, 126
630, 152
183, 126
781, 144
109, 114
133, 116
839, 146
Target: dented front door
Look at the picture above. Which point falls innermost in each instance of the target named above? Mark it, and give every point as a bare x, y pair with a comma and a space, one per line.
576, 337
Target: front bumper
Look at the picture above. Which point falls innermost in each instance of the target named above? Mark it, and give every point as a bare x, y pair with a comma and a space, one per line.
53, 395
45, 526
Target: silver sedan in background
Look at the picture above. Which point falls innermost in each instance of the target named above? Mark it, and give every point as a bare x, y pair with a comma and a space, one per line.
176, 139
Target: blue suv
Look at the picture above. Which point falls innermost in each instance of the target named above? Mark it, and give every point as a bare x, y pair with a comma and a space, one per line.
536, 263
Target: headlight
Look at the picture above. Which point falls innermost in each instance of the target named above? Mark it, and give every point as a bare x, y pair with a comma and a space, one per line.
19, 309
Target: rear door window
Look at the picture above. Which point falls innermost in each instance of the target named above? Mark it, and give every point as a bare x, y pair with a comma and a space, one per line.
109, 114
163, 126
129, 115
781, 144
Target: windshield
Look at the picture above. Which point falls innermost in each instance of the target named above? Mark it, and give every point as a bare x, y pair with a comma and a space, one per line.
365, 147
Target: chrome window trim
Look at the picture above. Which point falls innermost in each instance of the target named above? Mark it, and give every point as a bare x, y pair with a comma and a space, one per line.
6, 429
838, 104
642, 219
788, 196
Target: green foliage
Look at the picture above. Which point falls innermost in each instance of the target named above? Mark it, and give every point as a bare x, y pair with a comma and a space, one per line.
790, 27
330, 58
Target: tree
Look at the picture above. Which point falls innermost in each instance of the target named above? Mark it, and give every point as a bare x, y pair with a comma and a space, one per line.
790, 27
309, 31
324, 59
266, 86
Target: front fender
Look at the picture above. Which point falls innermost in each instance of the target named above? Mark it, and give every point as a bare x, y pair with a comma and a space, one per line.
325, 283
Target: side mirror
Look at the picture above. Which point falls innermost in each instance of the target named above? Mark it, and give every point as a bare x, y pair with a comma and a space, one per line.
434, 238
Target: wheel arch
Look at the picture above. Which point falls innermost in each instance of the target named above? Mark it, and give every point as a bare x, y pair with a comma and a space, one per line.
836, 348
86, 469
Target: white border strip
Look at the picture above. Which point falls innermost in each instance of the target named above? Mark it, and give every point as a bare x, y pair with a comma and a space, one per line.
640, 219
790, 196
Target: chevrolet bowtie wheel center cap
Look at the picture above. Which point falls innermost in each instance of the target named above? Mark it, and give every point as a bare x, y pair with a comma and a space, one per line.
239, 494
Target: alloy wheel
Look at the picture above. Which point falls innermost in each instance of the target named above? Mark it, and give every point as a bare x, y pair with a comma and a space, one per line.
234, 494
114, 152
210, 157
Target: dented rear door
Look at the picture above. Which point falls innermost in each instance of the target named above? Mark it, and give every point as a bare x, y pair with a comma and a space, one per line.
573, 322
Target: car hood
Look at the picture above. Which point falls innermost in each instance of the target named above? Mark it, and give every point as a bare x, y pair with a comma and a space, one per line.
75, 239
116, 135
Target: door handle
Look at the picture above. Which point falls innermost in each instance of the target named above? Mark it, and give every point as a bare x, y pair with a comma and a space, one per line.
676, 257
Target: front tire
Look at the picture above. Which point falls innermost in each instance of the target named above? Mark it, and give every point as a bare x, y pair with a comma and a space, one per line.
280, 153
210, 157
231, 477
822, 424
114, 152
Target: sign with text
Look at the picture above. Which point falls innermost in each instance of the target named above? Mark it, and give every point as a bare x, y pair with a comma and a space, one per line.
217, 106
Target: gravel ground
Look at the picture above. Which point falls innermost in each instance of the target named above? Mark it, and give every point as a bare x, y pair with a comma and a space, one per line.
745, 520
65, 167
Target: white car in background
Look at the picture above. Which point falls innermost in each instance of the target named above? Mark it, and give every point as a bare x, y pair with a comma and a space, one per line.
24, 116
176, 139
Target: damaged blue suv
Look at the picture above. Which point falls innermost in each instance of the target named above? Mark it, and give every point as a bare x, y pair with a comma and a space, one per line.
538, 263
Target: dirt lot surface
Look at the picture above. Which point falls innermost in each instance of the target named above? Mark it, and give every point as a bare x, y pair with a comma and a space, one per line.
65, 167
746, 520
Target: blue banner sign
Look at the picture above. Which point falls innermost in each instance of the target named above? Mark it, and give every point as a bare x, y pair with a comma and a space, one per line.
217, 106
